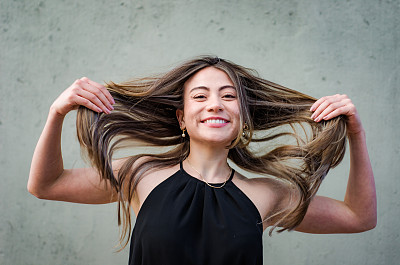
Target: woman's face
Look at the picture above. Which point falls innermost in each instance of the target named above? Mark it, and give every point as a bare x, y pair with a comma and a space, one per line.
211, 109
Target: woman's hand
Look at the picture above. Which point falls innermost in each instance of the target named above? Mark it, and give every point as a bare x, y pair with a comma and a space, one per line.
329, 107
84, 92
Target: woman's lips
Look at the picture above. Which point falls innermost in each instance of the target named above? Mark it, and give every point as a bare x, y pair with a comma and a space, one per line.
215, 122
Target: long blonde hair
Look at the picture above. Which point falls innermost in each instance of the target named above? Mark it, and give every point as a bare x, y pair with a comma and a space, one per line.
145, 112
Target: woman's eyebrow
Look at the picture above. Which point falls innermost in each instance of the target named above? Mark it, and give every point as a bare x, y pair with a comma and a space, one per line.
206, 88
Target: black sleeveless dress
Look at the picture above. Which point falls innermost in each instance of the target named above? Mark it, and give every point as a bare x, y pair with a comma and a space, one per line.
185, 221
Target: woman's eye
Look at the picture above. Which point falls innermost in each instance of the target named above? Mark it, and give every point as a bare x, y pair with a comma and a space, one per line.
229, 96
199, 97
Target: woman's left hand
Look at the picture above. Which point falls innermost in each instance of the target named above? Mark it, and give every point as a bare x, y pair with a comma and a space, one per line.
329, 107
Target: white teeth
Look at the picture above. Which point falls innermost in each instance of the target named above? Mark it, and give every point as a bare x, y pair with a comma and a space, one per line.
215, 121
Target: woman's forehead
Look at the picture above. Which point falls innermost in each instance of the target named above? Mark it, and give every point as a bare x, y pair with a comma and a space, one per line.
209, 77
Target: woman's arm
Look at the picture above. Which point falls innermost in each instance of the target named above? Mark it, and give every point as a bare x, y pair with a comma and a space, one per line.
47, 178
357, 213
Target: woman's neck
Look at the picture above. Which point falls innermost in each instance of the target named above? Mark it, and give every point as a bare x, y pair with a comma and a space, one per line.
208, 160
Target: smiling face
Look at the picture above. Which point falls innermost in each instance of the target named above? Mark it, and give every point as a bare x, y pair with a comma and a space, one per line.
211, 112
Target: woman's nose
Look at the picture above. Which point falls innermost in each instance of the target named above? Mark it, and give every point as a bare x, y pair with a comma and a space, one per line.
215, 104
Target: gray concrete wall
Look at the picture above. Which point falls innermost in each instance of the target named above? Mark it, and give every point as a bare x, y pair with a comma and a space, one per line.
318, 47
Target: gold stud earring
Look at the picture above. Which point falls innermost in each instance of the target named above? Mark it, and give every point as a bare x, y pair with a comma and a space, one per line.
183, 133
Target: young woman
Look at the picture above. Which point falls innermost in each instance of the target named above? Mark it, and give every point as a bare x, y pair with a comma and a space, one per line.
191, 207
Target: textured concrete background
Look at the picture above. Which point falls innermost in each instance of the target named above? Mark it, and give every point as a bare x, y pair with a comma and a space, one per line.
318, 47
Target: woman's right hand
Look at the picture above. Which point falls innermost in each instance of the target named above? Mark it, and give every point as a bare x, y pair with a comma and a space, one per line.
84, 92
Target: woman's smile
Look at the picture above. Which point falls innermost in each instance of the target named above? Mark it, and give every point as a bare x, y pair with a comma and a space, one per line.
215, 122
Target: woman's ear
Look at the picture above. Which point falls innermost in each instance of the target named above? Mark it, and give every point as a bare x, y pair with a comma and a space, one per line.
179, 116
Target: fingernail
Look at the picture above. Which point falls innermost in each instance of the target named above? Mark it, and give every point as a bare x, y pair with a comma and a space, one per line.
312, 116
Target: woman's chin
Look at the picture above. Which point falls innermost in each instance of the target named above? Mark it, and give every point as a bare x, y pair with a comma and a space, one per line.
214, 141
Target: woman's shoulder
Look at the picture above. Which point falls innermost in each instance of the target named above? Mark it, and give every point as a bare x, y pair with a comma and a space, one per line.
259, 183
264, 192
148, 181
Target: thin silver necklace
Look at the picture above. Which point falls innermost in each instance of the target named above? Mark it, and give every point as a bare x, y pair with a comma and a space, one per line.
212, 186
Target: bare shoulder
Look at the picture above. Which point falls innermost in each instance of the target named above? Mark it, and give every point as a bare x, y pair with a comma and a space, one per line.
153, 177
265, 185
264, 192
150, 179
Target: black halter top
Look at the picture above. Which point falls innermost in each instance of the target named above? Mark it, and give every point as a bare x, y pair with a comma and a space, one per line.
185, 221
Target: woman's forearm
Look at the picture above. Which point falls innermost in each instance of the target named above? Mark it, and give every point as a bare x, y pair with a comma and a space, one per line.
360, 194
47, 162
